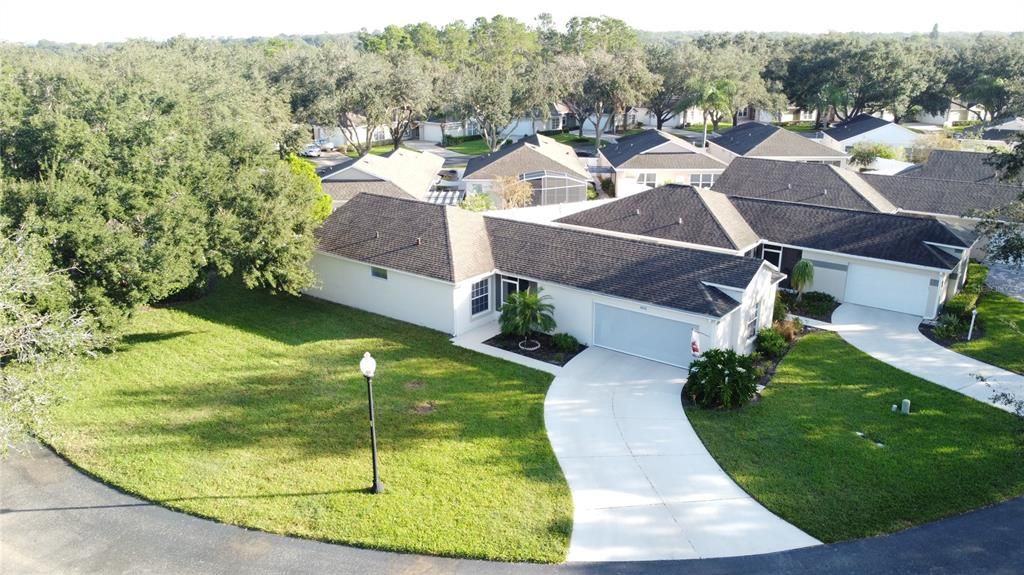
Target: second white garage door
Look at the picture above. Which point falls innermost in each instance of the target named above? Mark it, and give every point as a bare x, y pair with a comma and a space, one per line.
644, 335
883, 288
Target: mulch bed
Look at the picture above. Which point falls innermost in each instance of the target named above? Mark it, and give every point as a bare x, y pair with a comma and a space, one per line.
546, 353
928, 331
810, 307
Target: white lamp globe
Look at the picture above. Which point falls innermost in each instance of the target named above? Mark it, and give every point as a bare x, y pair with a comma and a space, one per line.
368, 365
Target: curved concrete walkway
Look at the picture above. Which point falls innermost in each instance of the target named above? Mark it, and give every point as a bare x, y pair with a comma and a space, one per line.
893, 338
643, 485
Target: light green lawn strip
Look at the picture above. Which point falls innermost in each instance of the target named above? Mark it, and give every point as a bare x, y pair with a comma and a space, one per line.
797, 452
471, 148
1002, 340
250, 409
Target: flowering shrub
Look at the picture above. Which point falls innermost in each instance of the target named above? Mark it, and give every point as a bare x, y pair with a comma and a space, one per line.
721, 378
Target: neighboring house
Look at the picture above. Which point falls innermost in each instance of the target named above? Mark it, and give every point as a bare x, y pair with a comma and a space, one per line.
869, 129
438, 130
759, 140
553, 169
653, 158
688, 116
950, 200
558, 117
999, 132
755, 114
402, 173
451, 270
955, 165
630, 119
955, 114
340, 138
907, 264
816, 184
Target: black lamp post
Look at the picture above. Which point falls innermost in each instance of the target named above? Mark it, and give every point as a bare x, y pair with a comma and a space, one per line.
368, 366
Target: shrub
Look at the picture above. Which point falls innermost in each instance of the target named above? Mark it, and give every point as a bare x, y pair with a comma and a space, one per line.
976, 276
771, 343
453, 140
789, 329
721, 378
591, 193
526, 312
949, 326
608, 186
477, 202
565, 342
781, 310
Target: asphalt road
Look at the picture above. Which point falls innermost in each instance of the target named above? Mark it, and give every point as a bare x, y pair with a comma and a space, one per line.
55, 519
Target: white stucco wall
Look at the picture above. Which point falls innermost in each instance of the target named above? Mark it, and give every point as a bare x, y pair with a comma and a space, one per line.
415, 299
625, 180
462, 304
833, 282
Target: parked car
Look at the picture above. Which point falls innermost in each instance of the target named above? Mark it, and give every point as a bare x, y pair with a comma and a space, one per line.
326, 145
310, 151
585, 154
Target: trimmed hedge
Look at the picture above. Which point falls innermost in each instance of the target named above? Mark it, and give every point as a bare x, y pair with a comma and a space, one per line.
452, 140
966, 301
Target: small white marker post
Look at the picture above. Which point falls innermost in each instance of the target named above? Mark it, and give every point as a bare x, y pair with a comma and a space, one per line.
970, 330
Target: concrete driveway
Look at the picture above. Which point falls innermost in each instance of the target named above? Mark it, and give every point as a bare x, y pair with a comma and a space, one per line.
451, 157
643, 485
893, 338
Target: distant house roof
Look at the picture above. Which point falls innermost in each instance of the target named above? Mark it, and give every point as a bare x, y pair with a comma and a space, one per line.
890, 237
531, 154
401, 173
668, 276
672, 212
856, 126
653, 150
954, 165
440, 242
817, 184
764, 140
946, 197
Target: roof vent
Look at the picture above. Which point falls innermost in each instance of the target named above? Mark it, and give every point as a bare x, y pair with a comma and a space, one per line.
638, 211
419, 241
824, 192
680, 221
789, 186
378, 234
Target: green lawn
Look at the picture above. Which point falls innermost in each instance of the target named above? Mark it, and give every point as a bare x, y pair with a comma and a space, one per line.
798, 126
1002, 341
797, 451
250, 409
377, 150
471, 148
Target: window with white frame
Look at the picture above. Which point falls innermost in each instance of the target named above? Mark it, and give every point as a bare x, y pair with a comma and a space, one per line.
772, 254
647, 179
480, 297
380, 273
752, 321
702, 180
555, 123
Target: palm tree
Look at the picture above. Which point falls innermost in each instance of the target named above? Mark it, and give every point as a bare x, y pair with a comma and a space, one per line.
526, 312
801, 277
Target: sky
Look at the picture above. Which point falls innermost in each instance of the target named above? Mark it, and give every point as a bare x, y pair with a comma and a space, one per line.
91, 21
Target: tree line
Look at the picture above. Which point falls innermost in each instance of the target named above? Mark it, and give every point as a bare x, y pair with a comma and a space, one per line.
499, 69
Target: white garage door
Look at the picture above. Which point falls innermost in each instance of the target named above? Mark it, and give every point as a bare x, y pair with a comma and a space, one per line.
641, 334
893, 290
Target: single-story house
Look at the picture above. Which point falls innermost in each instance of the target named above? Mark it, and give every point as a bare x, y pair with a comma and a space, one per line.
402, 173
903, 263
691, 115
955, 165
1000, 131
872, 130
955, 114
817, 184
652, 158
553, 169
558, 117
790, 114
759, 140
341, 138
451, 270
438, 129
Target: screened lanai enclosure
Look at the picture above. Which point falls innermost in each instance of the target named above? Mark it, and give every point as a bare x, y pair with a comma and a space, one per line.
555, 187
